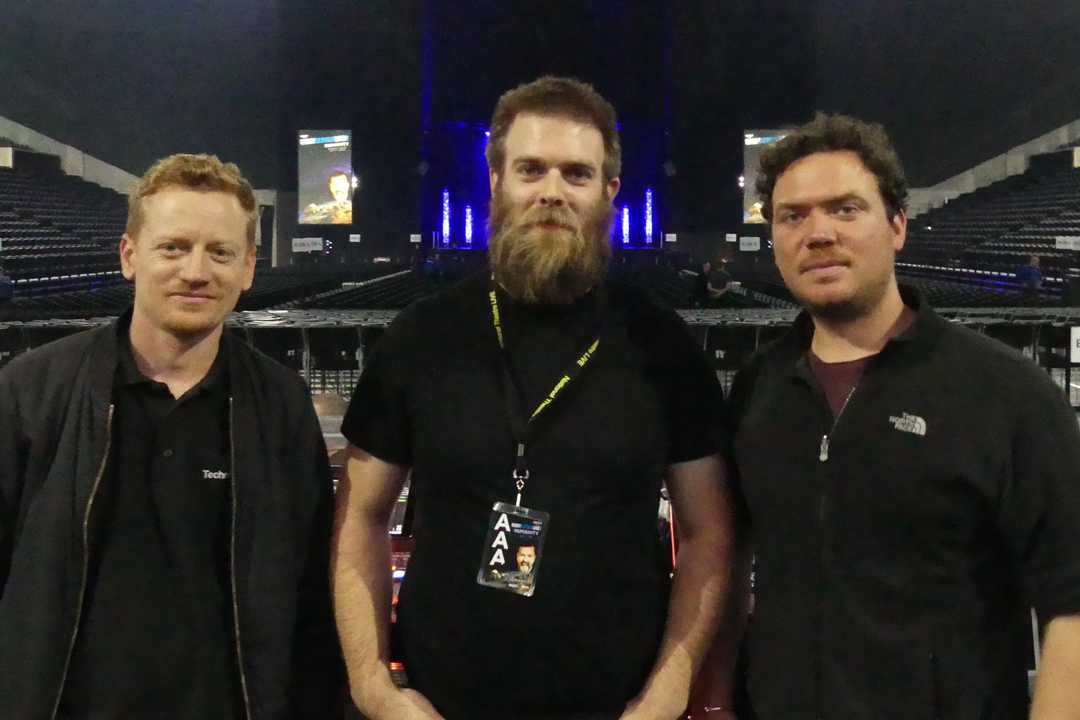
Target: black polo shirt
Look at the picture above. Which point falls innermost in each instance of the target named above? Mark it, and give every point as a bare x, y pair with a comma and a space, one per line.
430, 398
156, 636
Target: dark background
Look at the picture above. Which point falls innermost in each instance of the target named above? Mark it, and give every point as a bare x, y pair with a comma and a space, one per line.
956, 82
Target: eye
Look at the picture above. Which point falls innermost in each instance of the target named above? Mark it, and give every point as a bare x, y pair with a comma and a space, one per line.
789, 217
530, 169
847, 209
579, 174
222, 254
169, 248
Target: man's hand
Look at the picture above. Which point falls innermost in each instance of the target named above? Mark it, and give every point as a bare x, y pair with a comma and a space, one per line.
1057, 688
407, 705
652, 708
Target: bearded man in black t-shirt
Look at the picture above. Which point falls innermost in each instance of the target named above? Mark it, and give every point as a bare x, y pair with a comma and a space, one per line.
536, 406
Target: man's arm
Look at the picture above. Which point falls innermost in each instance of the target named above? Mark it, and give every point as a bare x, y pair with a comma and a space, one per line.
361, 583
703, 507
1057, 688
12, 467
715, 685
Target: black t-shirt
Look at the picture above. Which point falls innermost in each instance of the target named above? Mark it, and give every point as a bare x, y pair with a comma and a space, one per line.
155, 638
430, 397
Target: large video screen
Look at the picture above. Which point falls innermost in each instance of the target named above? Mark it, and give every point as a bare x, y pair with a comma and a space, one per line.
754, 141
326, 181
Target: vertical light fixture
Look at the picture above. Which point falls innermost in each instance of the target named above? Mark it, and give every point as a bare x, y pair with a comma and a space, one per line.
468, 225
648, 216
446, 217
626, 225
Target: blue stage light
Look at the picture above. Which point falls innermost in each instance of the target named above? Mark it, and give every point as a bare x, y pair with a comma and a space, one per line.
648, 216
468, 224
626, 225
446, 217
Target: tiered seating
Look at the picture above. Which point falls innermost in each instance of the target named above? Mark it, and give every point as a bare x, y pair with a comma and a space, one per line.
951, 293
668, 287
391, 294
271, 287
58, 232
101, 302
986, 235
278, 286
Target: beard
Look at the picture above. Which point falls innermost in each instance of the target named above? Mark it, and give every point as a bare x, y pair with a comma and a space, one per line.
860, 303
548, 266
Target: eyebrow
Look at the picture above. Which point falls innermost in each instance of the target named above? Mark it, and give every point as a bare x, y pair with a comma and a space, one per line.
525, 159
834, 200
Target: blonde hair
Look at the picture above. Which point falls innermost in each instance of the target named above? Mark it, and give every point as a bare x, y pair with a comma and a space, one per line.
192, 172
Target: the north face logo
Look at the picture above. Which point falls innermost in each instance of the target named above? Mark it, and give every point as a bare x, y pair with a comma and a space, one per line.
909, 423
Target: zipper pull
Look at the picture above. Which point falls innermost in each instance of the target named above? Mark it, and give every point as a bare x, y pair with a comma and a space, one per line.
823, 454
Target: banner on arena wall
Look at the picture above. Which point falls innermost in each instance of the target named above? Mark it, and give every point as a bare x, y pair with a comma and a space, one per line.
1067, 242
307, 244
1074, 345
731, 237
355, 237
1076, 157
7, 157
671, 237
749, 244
415, 238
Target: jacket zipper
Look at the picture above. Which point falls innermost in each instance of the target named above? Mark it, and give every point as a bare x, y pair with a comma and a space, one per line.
823, 457
86, 561
823, 453
232, 566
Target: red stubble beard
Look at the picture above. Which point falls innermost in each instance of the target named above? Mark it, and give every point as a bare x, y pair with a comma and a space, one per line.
547, 255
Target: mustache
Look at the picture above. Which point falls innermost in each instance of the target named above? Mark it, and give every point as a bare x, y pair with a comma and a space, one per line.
552, 215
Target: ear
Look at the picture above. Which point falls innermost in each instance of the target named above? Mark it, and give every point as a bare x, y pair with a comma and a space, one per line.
493, 180
127, 257
612, 188
899, 229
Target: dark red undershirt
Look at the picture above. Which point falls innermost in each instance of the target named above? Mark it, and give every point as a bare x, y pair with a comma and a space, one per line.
837, 379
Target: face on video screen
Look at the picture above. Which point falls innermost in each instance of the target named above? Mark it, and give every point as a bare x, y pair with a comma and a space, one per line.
325, 177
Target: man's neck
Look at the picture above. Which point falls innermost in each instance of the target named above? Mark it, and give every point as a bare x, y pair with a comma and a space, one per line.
846, 340
178, 362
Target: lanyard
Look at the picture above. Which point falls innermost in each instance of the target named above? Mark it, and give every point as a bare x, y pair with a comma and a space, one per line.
519, 424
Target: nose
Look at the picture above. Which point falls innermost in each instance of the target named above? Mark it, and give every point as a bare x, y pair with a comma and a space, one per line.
820, 229
195, 268
552, 193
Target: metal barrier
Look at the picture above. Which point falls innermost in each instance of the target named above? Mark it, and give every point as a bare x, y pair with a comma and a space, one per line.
327, 346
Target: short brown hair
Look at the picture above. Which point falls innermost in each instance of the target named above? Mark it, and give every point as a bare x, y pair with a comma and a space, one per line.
192, 172
836, 133
558, 97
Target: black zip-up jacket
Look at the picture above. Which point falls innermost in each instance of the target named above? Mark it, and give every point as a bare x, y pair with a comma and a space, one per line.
55, 427
898, 551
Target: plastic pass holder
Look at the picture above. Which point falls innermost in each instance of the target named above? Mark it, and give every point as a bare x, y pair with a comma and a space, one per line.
513, 549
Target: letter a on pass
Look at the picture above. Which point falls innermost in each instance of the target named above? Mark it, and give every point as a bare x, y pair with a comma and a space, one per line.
497, 558
503, 523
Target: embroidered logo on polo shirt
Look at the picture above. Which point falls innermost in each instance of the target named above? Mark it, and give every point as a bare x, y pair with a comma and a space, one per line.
909, 423
215, 475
